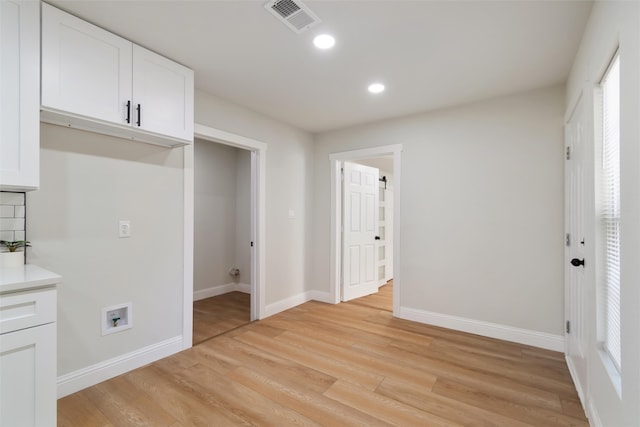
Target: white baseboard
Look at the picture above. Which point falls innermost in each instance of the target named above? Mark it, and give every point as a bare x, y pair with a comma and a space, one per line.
91, 375
286, 304
493, 330
296, 300
243, 287
576, 382
321, 297
592, 415
221, 289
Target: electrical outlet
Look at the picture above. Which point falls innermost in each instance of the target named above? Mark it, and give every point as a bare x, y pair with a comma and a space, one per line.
124, 228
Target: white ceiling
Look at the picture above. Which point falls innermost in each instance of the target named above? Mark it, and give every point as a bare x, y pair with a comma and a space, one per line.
429, 54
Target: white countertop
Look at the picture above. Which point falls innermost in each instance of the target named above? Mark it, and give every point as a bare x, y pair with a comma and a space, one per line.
14, 279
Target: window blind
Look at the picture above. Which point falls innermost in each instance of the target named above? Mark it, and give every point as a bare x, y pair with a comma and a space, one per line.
611, 211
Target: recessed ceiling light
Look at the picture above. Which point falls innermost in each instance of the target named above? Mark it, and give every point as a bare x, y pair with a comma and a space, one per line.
376, 88
324, 41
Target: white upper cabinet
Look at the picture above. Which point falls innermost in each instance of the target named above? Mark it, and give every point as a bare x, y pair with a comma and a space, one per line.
163, 94
19, 95
85, 69
97, 81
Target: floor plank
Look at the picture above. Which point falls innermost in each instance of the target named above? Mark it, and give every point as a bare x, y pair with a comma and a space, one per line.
382, 407
316, 406
424, 399
78, 410
532, 414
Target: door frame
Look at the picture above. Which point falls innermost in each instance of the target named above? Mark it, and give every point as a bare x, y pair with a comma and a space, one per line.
336, 216
258, 214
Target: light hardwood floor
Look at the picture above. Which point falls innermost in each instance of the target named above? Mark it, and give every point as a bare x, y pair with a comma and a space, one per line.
338, 365
217, 315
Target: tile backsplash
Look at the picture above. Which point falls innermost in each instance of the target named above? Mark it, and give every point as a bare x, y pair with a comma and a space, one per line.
12, 216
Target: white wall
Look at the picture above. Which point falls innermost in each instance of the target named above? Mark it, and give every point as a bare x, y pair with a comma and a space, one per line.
482, 208
221, 214
613, 24
89, 182
289, 181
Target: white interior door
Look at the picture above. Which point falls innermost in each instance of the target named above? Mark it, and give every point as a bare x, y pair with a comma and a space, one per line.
575, 292
360, 227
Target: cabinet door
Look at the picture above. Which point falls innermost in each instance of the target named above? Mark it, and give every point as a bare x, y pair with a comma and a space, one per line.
28, 372
85, 70
19, 94
164, 91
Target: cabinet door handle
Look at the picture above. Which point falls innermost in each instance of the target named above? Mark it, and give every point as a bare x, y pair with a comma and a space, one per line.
128, 111
139, 109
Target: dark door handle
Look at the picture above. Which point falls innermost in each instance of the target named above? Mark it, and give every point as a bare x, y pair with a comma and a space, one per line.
139, 108
577, 262
128, 111
377, 237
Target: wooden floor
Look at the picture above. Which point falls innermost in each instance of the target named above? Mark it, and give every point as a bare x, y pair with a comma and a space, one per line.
338, 365
217, 315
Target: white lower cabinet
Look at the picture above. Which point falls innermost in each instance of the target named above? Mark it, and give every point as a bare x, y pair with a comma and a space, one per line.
28, 372
28, 347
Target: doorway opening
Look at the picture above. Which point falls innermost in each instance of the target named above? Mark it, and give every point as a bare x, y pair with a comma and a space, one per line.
222, 236
254, 228
364, 239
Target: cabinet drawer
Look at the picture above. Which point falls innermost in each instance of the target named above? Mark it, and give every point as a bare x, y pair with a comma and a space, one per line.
26, 309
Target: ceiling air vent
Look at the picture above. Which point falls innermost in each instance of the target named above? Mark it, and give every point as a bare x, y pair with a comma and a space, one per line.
294, 14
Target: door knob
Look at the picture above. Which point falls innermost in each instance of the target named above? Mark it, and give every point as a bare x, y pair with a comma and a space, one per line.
377, 237
577, 262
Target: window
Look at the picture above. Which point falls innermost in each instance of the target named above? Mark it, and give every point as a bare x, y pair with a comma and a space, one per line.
610, 214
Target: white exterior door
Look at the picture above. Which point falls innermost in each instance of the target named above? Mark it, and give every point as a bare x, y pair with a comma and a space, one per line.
575, 292
360, 227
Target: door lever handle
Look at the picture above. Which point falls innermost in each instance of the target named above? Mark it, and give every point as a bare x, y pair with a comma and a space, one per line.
377, 237
577, 262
